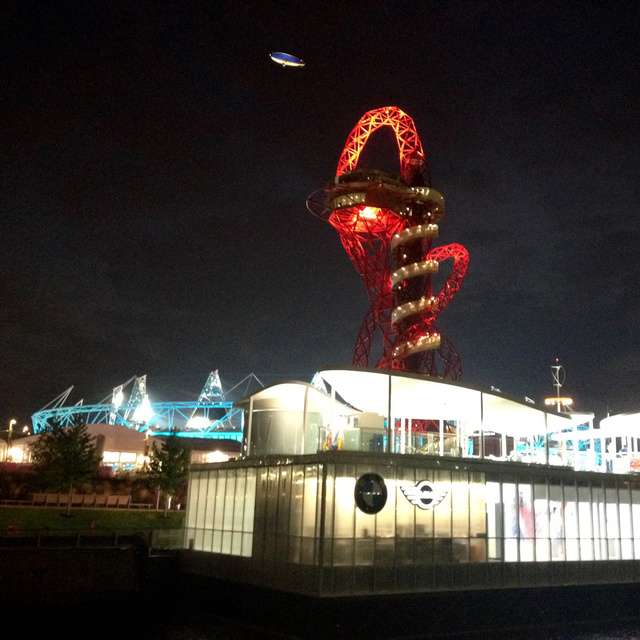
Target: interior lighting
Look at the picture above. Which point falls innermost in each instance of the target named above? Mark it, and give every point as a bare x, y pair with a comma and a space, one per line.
413, 270
419, 231
371, 213
424, 343
410, 308
558, 401
217, 456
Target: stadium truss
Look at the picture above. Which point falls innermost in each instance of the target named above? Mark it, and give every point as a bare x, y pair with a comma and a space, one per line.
387, 224
211, 416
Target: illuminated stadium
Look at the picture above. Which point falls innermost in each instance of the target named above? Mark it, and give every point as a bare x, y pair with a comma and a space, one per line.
212, 415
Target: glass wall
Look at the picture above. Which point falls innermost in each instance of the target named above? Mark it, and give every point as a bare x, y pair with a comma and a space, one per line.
550, 519
220, 511
300, 516
379, 412
500, 519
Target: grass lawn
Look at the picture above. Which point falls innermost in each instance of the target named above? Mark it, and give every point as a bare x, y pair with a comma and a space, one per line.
36, 518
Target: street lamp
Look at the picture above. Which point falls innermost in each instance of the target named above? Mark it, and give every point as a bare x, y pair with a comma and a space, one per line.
6, 458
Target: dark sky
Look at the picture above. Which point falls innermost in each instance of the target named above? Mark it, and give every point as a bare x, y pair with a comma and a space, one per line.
155, 167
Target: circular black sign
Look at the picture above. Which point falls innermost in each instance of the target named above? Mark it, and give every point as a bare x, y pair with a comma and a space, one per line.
370, 493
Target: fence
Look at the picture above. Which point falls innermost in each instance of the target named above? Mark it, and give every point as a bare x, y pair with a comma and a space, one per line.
99, 539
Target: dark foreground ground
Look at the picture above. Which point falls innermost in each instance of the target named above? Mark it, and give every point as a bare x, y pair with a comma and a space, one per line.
127, 593
160, 621
528, 613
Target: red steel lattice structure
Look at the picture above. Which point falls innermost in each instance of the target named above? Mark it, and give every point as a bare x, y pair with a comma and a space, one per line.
387, 225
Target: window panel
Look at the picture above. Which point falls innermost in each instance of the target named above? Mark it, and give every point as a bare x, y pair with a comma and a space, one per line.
405, 512
510, 509
626, 535
344, 511
556, 520
599, 523
572, 546
297, 498
542, 521
442, 511
613, 527
219, 504
208, 498
239, 500
526, 522
460, 505
194, 502
229, 499
284, 500
585, 523
495, 528
310, 500
635, 510
477, 506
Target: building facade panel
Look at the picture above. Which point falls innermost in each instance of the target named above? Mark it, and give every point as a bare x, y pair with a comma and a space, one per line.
297, 512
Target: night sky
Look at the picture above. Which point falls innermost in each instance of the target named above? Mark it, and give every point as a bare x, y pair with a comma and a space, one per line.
155, 167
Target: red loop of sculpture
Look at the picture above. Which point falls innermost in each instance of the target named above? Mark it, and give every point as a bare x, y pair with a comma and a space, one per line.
408, 142
460, 265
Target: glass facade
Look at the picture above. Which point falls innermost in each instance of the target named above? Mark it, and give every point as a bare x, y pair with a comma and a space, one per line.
373, 411
286, 514
221, 511
378, 482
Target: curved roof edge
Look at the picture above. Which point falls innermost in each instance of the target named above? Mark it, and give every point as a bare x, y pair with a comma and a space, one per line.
278, 383
451, 383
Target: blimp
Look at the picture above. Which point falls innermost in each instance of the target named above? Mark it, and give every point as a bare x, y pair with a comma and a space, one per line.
286, 59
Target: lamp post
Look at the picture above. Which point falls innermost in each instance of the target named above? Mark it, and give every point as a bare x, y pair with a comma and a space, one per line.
9, 433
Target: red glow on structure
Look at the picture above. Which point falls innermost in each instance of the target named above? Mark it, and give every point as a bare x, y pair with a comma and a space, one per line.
406, 135
366, 220
386, 222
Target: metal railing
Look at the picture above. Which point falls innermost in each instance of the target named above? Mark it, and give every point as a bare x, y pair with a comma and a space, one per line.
99, 539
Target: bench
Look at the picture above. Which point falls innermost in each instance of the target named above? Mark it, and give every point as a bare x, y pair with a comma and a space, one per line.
140, 505
111, 501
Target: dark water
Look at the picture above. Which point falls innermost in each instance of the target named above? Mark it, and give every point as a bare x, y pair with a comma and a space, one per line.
179, 606
161, 621
226, 631
603, 631
220, 630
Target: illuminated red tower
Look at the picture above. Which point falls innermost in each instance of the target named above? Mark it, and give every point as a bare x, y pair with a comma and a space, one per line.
387, 225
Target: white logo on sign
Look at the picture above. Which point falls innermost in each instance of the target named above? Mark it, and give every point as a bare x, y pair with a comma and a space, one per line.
424, 494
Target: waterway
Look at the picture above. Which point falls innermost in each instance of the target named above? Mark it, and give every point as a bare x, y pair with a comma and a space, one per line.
220, 630
162, 621
178, 606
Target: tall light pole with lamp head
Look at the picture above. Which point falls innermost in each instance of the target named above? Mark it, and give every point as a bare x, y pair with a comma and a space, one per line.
9, 433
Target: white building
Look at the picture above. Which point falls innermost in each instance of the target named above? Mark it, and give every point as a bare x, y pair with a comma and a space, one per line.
124, 449
383, 482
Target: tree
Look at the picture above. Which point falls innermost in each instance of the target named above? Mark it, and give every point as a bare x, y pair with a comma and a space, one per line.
169, 466
66, 456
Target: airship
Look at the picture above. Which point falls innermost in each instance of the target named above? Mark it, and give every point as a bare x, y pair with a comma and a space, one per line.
286, 59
